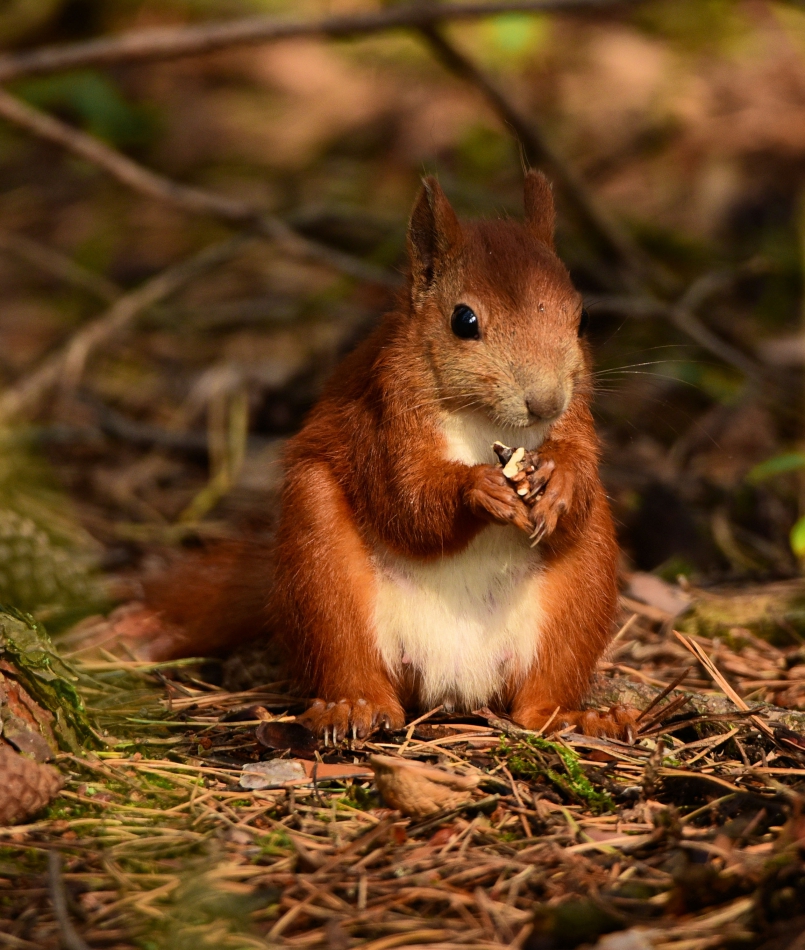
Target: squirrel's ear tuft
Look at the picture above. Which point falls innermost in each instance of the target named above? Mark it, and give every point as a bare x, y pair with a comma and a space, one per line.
433, 232
540, 211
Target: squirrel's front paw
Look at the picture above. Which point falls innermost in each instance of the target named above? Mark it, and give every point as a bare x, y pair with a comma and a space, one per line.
551, 505
491, 496
350, 718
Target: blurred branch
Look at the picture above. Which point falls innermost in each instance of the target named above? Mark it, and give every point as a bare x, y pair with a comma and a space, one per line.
639, 271
184, 197
173, 42
69, 938
194, 444
683, 317
59, 265
607, 233
682, 313
66, 367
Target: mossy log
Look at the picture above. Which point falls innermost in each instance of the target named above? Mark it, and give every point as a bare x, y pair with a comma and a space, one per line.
774, 612
622, 689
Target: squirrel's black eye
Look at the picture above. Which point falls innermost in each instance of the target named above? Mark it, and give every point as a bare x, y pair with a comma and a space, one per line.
464, 323
584, 322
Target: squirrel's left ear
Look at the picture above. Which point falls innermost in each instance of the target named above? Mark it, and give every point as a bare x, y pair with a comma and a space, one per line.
540, 211
433, 234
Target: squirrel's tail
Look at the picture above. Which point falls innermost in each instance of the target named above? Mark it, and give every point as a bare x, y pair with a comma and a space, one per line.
210, 602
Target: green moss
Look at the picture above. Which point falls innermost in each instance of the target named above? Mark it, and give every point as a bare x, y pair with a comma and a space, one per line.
526, 758
159, 781
274, 844
770, 612
46, 677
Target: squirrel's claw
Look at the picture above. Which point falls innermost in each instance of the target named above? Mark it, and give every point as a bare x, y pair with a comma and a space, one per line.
356, 718
492, 497
555, 500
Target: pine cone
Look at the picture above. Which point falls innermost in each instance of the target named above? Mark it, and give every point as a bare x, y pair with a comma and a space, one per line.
25, 786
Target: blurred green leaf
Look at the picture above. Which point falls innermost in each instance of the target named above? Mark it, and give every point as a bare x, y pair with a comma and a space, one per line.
798, 538
505, 41
694, 24
778, 465
92, 101
516, 33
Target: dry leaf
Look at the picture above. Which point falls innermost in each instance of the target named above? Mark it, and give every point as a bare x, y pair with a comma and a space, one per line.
419, 790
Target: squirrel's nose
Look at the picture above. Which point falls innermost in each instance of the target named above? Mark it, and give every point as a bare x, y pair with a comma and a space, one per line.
544, 406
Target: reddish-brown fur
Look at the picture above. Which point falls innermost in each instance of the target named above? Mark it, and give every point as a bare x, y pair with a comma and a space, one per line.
368, 473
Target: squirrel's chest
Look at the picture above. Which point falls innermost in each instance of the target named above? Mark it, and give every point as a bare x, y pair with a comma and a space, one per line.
462, 625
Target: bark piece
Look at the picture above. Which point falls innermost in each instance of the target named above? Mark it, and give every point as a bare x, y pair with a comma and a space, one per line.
419, 790
272, 774
26, 786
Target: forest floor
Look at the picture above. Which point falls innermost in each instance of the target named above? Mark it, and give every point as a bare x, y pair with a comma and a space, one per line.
690, 837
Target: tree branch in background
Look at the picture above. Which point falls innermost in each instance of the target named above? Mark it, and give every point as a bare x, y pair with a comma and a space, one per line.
233, 211
608, 235
184, 197
173, 42
58, 265
70, 939
682, 313
638, 270
66, 367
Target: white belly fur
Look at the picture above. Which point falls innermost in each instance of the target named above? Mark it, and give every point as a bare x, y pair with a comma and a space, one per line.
467, 622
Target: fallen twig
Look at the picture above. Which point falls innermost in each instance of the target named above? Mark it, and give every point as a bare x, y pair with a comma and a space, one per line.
682, 313
69, 938
623, 689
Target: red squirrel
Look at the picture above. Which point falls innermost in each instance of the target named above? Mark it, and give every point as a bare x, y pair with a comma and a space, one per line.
403, 574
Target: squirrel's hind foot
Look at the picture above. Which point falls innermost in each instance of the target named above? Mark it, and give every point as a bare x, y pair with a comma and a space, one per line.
617, 722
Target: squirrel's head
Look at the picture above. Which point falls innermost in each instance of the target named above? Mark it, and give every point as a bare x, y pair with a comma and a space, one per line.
501, 322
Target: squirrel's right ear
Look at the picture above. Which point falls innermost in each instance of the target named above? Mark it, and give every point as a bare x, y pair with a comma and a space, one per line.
540, 211
433, 232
